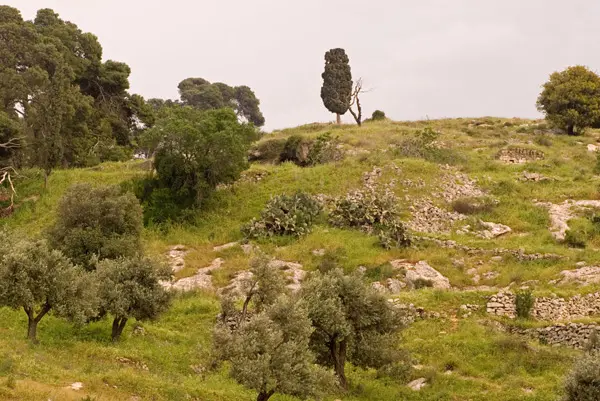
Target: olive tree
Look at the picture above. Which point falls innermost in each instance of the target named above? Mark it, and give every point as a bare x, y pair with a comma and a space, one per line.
571, 99
583, 383
262, 286
40, 280
270, 352
102, 222
352, 321
130, 288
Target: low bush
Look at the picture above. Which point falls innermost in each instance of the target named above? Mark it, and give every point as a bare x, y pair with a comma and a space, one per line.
473, 205
305, 152
374, 211
543, 140
524, 303
394, 235
365, 209
295, 150
284, 215
580, 231
378, 115
424, 145
325, 149
268, 151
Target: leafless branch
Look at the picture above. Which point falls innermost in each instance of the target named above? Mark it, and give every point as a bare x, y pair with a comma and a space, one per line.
12, 143
355, 100
5, 176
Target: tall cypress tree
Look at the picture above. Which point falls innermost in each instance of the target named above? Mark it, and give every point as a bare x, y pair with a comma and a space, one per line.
336, 91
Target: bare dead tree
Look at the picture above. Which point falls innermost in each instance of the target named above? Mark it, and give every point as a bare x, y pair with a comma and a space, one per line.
8, 172
358, 89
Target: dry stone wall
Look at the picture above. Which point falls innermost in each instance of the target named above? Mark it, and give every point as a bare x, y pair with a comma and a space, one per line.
548, 308
572, 335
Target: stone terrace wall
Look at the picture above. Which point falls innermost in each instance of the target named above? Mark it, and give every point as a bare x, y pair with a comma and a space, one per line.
547, 308
569, 335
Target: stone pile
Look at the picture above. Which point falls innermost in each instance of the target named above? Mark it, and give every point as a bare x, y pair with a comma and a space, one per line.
519, 155
420, 272
502, 304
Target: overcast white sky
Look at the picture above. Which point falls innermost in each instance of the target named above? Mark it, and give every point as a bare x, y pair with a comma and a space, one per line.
435, 58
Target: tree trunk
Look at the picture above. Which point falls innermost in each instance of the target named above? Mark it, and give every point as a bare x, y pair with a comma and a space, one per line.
32, 330
117, 327
571, 130
262, 396
32, 321
338, 354
338, 119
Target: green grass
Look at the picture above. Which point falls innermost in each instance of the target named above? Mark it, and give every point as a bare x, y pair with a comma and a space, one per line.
486, 364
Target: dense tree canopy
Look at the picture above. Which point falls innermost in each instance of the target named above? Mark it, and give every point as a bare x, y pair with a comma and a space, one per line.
201, 94
195, 151
571, 99
74, 108
39, 280
336, 91
102, 222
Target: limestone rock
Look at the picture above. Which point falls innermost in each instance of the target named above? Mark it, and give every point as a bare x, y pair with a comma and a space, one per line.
560, 214
76, 386
418, 384
224, 247
593, 148
421, 271
492, 230
583, 276
201, 280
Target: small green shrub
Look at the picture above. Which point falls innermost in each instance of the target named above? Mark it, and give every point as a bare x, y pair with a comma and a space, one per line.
582, 384
473, 205
365, 209
305, 152
267, 151
593, 342
332, 259
381, 272
374, 211
543, 140
424, 146
580, 231
422, 283
378, 115
324, 150
295, 150
284, 215
524, 301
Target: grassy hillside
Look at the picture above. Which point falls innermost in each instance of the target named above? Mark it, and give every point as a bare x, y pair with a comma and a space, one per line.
463, 358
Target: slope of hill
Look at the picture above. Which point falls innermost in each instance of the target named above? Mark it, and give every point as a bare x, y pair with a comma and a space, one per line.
452, 180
